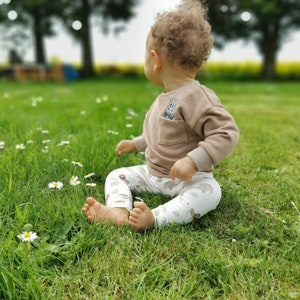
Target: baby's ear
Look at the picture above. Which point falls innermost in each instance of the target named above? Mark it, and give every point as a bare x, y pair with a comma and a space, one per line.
156, 59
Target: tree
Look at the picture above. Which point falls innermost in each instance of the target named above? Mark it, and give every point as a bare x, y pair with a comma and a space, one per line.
267, 23
36, 15
101, 12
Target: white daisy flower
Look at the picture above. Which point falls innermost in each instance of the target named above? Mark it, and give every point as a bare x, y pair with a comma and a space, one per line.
112, 132
62, 143
20, 146
77, 163
89, 175
27, 236
74, 180
91, 184
55, 185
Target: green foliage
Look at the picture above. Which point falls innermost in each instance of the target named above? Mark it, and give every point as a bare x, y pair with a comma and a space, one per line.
240, 71
247, 249
268, 24
248, 71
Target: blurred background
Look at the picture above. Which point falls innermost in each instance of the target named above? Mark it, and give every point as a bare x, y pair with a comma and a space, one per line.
84, 38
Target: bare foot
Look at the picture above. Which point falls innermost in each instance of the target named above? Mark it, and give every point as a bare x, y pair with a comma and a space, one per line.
141, 217
96, 212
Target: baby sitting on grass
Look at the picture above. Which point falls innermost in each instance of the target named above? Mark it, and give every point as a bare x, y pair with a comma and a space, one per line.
186, 131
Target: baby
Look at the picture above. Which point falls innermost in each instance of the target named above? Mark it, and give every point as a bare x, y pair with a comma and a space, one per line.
186, 131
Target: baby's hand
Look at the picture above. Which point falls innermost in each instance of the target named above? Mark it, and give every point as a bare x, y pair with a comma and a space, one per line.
125, 146
184, 169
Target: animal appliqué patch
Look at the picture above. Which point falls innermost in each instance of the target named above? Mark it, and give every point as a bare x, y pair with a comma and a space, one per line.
169, 112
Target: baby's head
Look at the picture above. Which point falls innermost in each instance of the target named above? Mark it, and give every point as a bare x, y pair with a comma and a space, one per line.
183, 35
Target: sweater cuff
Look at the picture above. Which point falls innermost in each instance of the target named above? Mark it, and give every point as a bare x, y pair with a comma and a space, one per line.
139, 143
201, 159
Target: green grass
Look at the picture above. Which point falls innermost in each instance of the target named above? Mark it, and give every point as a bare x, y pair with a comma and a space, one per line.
247, 249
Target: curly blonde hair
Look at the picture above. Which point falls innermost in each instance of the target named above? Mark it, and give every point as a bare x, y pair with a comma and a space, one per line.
183, 35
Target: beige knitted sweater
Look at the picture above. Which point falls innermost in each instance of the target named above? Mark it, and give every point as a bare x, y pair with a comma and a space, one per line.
189, 121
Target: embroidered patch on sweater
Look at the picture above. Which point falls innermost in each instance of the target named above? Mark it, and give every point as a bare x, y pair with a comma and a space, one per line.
169, 112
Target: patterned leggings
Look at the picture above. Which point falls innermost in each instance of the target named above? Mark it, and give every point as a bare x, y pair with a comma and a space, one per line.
190, 199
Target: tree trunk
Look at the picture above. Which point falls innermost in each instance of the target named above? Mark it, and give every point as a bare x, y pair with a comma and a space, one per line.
269, 47
39, 49
269, 65
87, 61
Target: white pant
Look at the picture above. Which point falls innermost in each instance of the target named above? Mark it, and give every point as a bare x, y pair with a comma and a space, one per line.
191, 199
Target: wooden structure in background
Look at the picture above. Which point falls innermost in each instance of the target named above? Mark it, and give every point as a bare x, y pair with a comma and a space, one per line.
25, 72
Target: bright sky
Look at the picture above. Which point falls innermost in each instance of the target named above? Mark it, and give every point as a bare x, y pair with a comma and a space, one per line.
129, 46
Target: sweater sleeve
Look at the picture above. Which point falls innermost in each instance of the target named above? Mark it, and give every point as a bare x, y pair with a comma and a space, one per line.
221, 135
140, 143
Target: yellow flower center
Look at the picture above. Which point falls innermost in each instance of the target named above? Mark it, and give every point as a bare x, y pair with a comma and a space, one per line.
27, 235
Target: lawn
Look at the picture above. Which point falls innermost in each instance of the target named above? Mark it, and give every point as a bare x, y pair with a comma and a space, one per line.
246, 249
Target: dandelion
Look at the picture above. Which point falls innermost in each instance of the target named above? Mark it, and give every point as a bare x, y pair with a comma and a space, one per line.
77, 163
91, 184
89, 175
20, 146
74, 180
55, 185
27, 236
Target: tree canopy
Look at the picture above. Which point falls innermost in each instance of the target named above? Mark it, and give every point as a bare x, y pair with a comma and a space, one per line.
37, 16
40, 15
267, 23
102, 12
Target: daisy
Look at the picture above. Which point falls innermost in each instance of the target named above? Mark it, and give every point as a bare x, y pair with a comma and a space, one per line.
55, 185
74, 180
91, 184
89, 175
62, 143
2, 144
20, 146
77, 163
112, 132
27, 236
45, 149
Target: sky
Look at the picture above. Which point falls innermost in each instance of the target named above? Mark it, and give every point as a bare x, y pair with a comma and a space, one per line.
129, 46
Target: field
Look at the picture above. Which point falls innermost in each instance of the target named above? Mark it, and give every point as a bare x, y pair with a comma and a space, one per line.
246, 249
